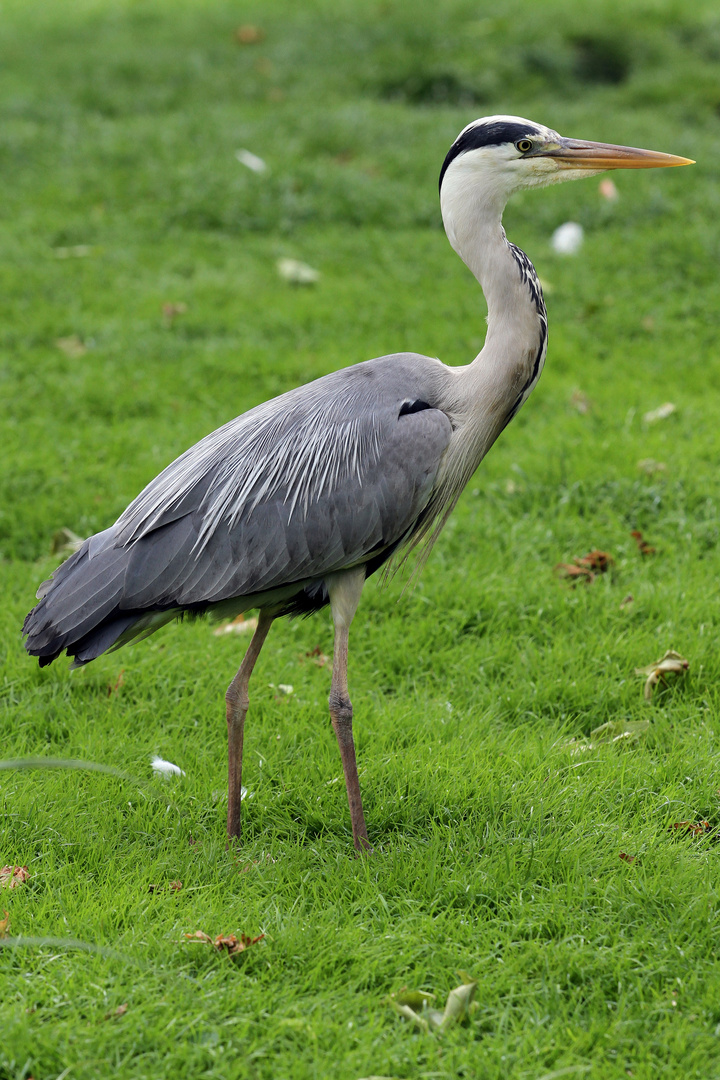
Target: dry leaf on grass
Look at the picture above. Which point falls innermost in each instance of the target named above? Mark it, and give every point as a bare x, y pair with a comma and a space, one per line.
4, 923
12, 876
171, 312
72, 346
596, 560
627, 858
616, 730
415, 1005
661, 413
239, 625
249, 35
672, 663
232, 944
643, 547
174, 886
574, 573
317, 657
696, 828
585, 567
120, 1011
612, 732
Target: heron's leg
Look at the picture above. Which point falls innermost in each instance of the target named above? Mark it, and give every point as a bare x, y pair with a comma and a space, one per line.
236, 707
345, 590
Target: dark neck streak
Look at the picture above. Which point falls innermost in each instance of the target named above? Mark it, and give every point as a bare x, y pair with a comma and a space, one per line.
530, 279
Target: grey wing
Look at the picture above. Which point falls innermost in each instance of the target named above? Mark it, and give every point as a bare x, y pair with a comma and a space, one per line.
325, 477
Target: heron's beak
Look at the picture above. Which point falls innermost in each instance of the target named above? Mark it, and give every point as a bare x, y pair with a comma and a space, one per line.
575, 154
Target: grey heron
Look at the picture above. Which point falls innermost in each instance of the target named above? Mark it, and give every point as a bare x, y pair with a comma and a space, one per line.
294, 504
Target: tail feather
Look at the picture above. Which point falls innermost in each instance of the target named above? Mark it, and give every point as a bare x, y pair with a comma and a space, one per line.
107, 594
79, 609
100, 640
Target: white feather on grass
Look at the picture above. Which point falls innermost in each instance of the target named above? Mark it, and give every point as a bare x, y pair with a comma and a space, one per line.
165, 768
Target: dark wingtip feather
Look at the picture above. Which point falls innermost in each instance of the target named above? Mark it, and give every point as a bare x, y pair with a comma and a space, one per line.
48, 658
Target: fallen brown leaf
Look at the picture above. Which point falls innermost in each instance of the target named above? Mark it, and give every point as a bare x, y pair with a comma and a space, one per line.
232, 944
643, 547
249, 35
416, 1005
317, 656
4, 923
171, 312
573, 573
115, 1013
174, 886
627, 858
596, 560
585, 567
12, 876
672, 663
697, 828
627, 600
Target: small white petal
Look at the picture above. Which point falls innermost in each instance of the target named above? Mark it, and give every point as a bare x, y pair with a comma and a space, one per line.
567, 239
166, 768
285, 688
299, 273
251, 161
661, 413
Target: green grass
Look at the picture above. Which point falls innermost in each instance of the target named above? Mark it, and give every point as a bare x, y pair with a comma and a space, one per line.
496, 847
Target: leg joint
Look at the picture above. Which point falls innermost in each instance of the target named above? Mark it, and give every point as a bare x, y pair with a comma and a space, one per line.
236, 697
341, 709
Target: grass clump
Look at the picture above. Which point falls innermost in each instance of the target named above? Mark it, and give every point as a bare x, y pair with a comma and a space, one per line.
498, 841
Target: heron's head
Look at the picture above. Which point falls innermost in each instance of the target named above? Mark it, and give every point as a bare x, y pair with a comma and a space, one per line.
504, 154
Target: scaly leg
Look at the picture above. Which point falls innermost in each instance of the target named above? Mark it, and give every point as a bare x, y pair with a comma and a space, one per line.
236, 707
345, 589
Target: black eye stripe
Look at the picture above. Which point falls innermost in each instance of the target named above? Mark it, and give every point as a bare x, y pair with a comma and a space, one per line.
494, 133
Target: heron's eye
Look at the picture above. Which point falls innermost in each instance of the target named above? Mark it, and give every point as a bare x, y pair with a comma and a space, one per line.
523, 145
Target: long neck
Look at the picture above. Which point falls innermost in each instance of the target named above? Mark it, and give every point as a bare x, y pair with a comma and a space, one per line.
517, 321
487, 393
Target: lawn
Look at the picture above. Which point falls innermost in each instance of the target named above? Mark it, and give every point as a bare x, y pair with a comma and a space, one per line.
142, 307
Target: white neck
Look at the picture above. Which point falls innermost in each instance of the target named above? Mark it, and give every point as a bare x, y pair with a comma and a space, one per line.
490, 390
472, 215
